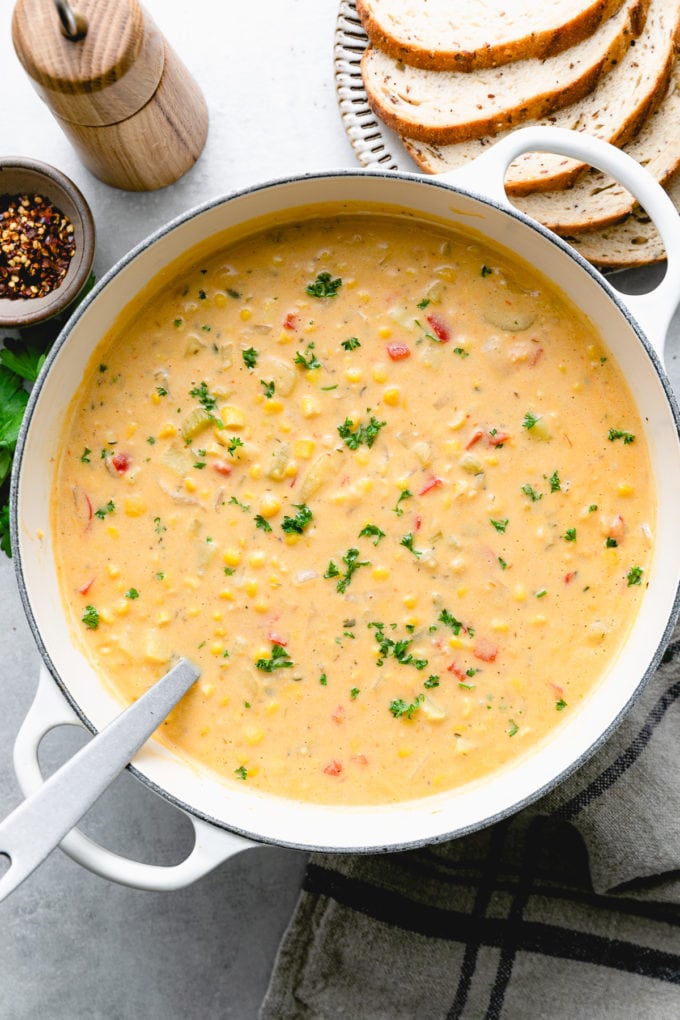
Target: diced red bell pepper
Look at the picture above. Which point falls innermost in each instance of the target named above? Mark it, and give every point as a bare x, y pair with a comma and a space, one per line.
84, 588
291, 321
221, 467
439, 327
121, 462
398, 351
485, 649
433, 483
334, 768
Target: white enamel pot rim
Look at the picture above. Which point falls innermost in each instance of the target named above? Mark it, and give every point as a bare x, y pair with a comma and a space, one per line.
229, 819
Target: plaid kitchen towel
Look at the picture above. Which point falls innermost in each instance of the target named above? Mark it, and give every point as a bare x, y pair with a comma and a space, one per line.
570, 909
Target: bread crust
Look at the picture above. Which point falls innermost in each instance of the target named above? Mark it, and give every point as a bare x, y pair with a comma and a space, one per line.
395, 92
540, 43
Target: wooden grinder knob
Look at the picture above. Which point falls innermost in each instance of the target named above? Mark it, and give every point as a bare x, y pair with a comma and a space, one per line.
134, 114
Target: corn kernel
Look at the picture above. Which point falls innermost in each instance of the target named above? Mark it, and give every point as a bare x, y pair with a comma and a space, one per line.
380, 573
123, 607
163, 618
224, 701
255, 471
380, 373
261, 606
364, 484
232, 557
257, 558
233, 417
227, 595
271, 707
286, 425
303, 448
292, 539
384, 332
500, 626
625, 489
220, 300
309, 406
131, 429
354, 375
105, 616
217, 615
253, 734
290, 470
519, 593
273, 406
405, 752
134, 506
410, 601
362, 457
269, 505
167, 431
208, 690
251, 587
156, 397
204, 731
113, 570
194, 611
245, 314
539, 620
191, 582
112, 531
457, 421
391, 396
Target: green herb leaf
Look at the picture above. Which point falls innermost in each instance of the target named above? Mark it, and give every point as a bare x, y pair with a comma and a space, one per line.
249, 357
297, 524
279, 659
324, 286
627, 437
372, 531
91, 617
353, 437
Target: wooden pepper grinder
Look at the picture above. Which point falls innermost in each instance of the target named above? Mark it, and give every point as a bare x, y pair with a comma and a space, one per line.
134, 114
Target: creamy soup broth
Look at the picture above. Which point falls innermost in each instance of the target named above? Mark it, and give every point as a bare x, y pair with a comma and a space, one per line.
381, 482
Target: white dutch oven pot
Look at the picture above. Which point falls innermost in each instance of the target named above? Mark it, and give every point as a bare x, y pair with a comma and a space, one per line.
227, 818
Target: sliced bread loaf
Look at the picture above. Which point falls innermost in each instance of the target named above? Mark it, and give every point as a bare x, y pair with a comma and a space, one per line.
597, 200
446, 107
614, 111
466, 36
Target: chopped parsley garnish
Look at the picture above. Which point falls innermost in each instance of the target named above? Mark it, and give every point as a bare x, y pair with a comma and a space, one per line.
102, 511
456, 626
261, 523
372, 531
91, 618
324, 286
161, 391
351, 343
570, 535
399, 707
500, 525
487, 270
611, 543
307, 360
634, 576
204, 397
354, 693
461, 352
541, 593
560, 705
132, 593
407, 541
503, 563
233, 293
432, 681
404, 494
352, 564
279, 659
514, 728
399, 649
249, 356
323, 680
424, 303
555, 484
533, 495
353, 437
85, 456
158, 526
237, 502
268, 387
627, 437
529, 420
234, 444
241, 772
297, 524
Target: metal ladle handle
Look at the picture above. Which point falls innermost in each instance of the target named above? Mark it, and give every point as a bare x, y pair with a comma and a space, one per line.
73, 25
38, 825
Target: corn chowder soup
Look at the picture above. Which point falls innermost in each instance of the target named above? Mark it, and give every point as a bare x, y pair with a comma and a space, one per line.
381, 482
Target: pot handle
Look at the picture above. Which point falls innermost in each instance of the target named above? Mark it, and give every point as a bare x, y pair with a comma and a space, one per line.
212, 845
485, 175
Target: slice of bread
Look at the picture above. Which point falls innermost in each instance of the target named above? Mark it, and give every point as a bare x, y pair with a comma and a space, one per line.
627, 245
597, 200
614, 111
471, 34
446, 107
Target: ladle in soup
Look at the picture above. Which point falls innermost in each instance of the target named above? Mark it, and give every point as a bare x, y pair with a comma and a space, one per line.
38, 825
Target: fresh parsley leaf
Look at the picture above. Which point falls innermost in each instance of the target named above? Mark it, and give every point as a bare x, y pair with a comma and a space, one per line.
24, 357
249, 357
351, 343
91, 618
354, 437
261, 523
372, 531
627, 437
352, 564
634, 576
308, 360
279, 659
269, 388
399, 707
324, 286
297, 524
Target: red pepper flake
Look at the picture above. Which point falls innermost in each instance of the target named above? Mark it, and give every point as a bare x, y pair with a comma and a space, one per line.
84, 588
121, 462
439, 327
457, 671
221, 467
398, 351
334, 768
37, 243
497, 438
474, 438
568, 578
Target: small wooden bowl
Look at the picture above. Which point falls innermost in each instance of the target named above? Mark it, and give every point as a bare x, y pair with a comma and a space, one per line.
20, 176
